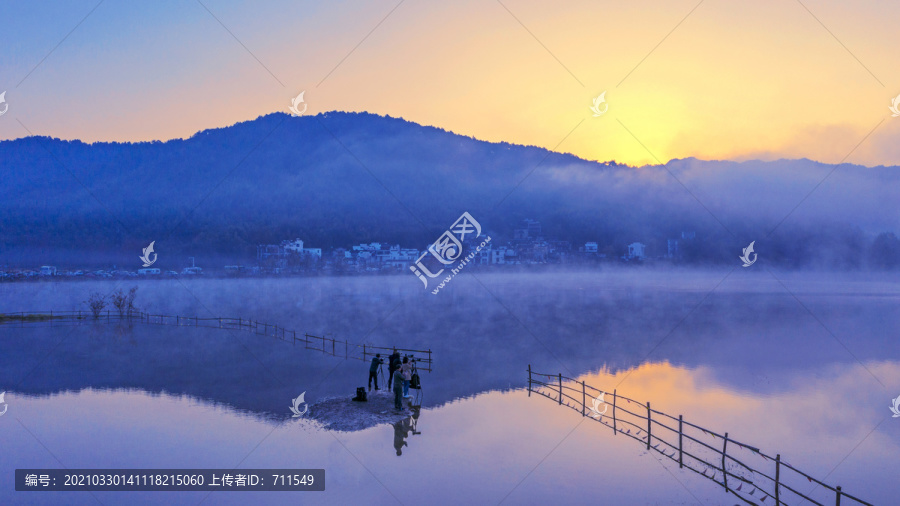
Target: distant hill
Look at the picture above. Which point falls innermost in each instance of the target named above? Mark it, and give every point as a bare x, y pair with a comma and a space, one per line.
337, 179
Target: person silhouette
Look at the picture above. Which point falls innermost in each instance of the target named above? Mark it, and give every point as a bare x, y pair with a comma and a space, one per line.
373, 370
414, 419
393, 365
401, 432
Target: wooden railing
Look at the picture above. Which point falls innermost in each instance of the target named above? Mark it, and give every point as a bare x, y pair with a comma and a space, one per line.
327, 345
714, 456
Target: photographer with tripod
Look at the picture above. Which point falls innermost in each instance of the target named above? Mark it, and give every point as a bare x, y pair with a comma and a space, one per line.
393, 366
374, 369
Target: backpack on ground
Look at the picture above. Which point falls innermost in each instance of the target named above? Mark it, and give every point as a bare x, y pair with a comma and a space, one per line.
414, 382
361, 395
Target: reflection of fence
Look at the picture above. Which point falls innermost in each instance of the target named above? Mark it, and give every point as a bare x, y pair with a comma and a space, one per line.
327, 345
691, 446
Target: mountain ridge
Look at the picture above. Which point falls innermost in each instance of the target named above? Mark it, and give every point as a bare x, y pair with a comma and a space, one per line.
339, 178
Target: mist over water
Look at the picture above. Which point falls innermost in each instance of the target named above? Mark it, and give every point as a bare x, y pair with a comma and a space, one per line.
734, 350
751, 329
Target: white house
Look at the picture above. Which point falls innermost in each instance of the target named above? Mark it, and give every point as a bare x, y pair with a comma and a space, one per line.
590, 247
636, 250
295, 246
399, 257
504, 255
673, 248
151, 271
484, 256
48, 270
375, 246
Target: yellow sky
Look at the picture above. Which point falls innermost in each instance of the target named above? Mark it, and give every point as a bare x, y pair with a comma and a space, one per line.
713, 80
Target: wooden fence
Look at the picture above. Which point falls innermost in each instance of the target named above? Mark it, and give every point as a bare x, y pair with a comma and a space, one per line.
729, 463
327, 345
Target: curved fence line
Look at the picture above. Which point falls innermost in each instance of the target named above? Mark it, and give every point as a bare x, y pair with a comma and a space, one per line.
327, 345
714, 456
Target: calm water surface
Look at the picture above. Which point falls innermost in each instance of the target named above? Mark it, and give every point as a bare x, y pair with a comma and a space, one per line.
805, 367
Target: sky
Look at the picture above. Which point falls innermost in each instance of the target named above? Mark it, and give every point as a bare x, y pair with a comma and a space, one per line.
709, 79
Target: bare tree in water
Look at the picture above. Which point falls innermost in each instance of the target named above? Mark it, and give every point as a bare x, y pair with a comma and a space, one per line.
97, 303
124, 302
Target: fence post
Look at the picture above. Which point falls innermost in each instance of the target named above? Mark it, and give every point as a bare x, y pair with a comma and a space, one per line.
614, 411
583, 398
529, 379
333, 352
220, 322
837, 500
560, 388
777, 478
347, 351
724, 452
680, 441
648, 425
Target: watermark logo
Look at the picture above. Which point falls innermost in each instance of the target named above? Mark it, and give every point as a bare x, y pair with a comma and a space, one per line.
296, 407
295, 104
595, 409
746, 256
895, 408
3, 101
600, 100
448, 249
895, 106
3, 402
146, 256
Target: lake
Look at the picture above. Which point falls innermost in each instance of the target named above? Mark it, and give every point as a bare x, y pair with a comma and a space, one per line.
803, 365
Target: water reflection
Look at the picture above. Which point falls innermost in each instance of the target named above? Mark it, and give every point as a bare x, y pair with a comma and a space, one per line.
406, 427
750, 331
749, 360
490, 442
818, 426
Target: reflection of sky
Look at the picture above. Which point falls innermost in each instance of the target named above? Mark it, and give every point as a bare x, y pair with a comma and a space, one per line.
471, 451
749, 360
